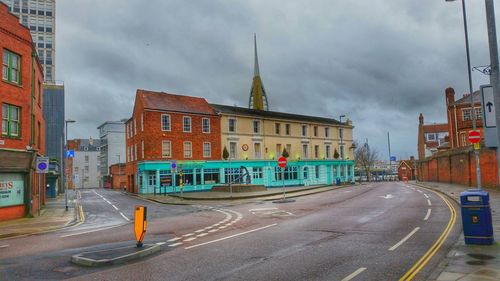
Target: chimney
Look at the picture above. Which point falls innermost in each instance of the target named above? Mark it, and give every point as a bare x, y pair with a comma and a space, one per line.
421, 119
450, 95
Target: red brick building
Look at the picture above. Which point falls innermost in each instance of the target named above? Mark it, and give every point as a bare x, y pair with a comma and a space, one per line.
431, 138
459, 114
406, 170
118, 178
22, 191
166, 127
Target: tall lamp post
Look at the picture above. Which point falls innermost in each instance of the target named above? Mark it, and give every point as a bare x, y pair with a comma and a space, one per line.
473, 111
66, 156
341, 135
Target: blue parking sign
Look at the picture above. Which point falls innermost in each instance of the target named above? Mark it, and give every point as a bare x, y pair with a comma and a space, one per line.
70, 154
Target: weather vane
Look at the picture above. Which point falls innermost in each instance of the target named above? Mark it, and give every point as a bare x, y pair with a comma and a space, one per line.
485, 69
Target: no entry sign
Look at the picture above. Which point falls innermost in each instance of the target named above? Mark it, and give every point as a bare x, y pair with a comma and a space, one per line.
474, 136
282, 162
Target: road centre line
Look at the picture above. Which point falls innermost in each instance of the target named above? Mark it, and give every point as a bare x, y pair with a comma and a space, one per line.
436, 246
263, 209
354, 274
176, 244
428, 214
429, 202
174, 239
125, 217
114, 207
187, 235
90, 231
213, 230
4, 246
231, 236
426, 196
404, 239
202, 234
189, 239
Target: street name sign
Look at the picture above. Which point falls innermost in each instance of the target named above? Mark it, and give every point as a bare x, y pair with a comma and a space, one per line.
474, 136
489, 116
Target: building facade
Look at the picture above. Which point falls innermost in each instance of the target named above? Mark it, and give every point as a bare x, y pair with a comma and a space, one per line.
39, 17
118, 178
112, 151
23, 126
83, 168
431, 138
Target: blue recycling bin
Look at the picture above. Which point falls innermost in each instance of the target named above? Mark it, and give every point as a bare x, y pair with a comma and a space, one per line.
476, 217
338, 181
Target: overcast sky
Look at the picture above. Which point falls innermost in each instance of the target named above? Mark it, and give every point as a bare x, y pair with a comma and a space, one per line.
379, 62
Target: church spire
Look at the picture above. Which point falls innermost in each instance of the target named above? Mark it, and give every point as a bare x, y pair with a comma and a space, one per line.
258, 98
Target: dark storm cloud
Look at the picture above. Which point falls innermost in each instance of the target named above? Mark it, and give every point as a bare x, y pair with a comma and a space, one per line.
379, 62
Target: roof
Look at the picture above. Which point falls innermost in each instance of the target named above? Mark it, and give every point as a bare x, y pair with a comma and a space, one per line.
476, 96
408, 163
436, 128
175, 103
272, 114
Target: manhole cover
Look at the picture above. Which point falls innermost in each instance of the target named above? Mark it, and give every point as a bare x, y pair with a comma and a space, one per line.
481, 256
476, 262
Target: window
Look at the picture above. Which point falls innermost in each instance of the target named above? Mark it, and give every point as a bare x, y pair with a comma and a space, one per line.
305, 149
86, 158
11, 67
431, 137
186, 121
277, 127
76, 170
257, 173
327, 132
256, 126
464, 139
232, 125
257, 150
142, 149
304, 130
278, 150
289, 173
315, 131
287, 129
206, 125
479, 112
10, 120
316, 151
152, 180
188, 149
328, 151
207, 149
135, 151
165, 122
232, 150
211, 176
466, 114
289, 149
316, 170
86, 169
166, 149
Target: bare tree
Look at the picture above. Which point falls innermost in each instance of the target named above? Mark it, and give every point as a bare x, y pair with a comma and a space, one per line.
365, 158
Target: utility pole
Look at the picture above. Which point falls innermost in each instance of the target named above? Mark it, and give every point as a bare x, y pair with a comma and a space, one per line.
390, 159
495, 73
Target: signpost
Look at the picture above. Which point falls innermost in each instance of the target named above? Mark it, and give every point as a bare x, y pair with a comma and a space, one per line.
70, 154
282, 164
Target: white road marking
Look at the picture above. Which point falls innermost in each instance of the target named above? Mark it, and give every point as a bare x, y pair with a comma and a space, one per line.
426, 196
189, 239
213, 230
187, 235
125, 217
202, 234
429, 202
404, 239
161, 243
199, 230
262, 209
231, 236
90, 231
4, 246
114, 207
428, 214
419, 190
174, 239
388, 196
354, 274
176, 244
222, 227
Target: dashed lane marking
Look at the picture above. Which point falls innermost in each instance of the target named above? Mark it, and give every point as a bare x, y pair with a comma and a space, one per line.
213, 230
125, 217
419, 190
429, 202
187, 235
426, 196
176, 244
114, 207
202, 234
160, 243
428, 214
189, 239
4, 246
174, 239
404, 239
354, 274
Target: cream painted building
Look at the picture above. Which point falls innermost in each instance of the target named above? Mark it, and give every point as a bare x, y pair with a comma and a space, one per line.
255, 134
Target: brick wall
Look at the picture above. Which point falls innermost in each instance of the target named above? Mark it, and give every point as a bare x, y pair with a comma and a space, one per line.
457, 166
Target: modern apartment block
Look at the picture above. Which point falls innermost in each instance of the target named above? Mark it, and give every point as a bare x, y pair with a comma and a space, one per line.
39, 17
112, 139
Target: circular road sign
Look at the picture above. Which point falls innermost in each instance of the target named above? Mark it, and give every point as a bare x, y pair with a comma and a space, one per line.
282, 162
42, 166
474, 136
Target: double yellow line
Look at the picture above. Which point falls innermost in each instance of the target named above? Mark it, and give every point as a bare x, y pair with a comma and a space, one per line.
410, 274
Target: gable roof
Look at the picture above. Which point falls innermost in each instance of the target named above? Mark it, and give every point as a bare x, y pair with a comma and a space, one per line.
174, 103
407, 163
272, 114
476, 96
436, 128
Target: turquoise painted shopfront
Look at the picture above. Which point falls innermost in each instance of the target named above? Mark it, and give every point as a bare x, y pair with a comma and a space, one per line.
155, 177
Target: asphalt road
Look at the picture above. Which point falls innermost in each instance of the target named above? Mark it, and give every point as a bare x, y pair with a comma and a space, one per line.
369, 232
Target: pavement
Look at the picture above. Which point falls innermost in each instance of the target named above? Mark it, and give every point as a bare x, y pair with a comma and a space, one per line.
463, 262
469, 262
51, 217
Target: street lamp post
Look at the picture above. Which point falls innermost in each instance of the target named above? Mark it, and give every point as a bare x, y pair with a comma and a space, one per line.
66, 156
473, 111
341, 135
